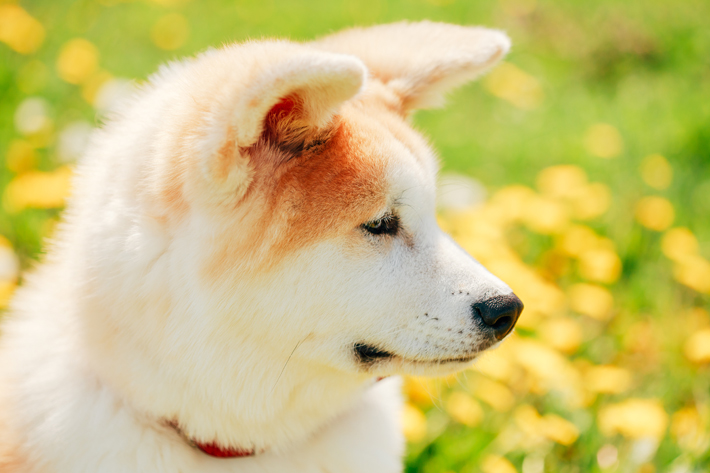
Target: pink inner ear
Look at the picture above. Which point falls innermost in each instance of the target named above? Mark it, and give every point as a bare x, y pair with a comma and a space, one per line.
282, 109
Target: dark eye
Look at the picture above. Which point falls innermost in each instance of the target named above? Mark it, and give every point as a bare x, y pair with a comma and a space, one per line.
387, 225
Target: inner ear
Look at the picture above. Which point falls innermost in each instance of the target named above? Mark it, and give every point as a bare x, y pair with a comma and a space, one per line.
286, 127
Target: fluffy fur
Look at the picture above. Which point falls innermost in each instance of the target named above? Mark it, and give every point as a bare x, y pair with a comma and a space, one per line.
212, 270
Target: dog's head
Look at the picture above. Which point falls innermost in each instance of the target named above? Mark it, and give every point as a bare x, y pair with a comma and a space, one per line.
288, 212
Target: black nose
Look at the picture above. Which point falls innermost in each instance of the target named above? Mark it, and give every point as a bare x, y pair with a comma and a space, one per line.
499, 313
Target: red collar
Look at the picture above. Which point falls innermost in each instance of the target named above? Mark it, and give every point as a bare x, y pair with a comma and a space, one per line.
214, 450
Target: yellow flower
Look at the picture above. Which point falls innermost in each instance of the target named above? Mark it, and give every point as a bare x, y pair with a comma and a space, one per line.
600, 264
514, 85
591, 300
694, 272
38, 189
607, 379
550, 370
21, 156
511, 202
562, 333
655, 213
603, 141
561, 181
463, 409
78, 60
550, 426
591, 201
577, 239
634, 418
494, 365
496, 464
546, 216
7, 288
92, 85
687, 427
558, 429
656, 171
697, 348
493, 393
170, 31
19, 30
413, 423
420, 390
679, 243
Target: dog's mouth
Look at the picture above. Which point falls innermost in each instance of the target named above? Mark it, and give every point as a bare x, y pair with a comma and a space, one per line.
368, 355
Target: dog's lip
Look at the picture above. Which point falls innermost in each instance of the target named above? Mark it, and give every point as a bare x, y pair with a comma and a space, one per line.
370, 354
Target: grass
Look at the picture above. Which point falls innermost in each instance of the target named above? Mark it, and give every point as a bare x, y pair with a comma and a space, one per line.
592, 142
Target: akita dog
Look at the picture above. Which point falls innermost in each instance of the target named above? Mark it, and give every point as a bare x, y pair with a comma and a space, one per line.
250, 246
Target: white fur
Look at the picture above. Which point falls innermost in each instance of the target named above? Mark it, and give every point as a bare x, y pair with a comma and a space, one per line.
118, 331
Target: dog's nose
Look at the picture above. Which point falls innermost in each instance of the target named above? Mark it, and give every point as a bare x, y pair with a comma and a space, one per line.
499, 313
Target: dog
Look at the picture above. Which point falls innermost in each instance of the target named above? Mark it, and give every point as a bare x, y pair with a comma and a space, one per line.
249, 258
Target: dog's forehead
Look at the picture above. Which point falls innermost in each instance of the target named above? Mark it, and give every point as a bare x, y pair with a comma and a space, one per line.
404, 155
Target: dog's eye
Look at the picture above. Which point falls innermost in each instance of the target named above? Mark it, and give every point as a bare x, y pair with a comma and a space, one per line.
387, 225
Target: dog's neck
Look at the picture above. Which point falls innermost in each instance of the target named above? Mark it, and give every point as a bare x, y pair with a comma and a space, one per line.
261, 398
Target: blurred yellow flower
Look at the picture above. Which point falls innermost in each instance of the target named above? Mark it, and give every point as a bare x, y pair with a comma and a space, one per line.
561, 181
558, 429
514, 85
21, 156
19, 30
679, 243
92, 85
577, 239
656, 171
77, 61
511, 202
600, 264
697, 348
496, 464
7, 288
688, 429
591, 201
413, 423
591, 300
694, 272
550, 426
603, 141
546, 216
493, 393
655, 213
38, 189
550, 369
495, 365
607, 379
170, 31
634, 418
421, 390
464, 409
562, 333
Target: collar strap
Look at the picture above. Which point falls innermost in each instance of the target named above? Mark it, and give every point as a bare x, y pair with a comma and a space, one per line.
214, 450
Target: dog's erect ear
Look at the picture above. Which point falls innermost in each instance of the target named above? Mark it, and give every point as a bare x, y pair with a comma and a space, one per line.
289, 93
421, 61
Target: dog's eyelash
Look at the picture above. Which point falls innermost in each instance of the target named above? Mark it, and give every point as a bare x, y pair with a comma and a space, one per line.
387, 225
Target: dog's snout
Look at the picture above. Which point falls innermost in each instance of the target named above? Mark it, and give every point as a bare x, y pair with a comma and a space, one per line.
499, 313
